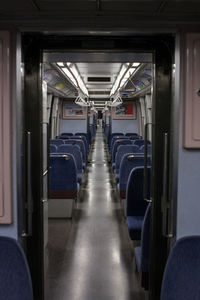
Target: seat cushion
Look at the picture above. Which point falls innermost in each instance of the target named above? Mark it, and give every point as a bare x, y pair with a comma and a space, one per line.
138, 257
134, 224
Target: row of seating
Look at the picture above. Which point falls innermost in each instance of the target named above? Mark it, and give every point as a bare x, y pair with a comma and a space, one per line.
127, 156
68, 159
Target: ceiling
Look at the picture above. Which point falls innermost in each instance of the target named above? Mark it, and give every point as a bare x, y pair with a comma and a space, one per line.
97, 13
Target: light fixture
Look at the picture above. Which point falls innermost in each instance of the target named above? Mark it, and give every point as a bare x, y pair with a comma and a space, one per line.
125, 73
74, 76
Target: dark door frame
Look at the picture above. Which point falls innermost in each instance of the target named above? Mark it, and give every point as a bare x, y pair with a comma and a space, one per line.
162, 47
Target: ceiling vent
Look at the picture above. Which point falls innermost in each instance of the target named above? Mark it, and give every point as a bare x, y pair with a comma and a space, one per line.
99, 92
99, 79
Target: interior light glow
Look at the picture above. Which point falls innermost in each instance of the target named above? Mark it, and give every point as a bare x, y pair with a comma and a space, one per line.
60, 64
135, 64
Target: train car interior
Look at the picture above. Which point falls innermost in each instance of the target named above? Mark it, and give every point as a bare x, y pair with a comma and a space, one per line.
99, 150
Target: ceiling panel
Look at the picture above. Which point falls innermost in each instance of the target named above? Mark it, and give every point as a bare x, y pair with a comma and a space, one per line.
18, 6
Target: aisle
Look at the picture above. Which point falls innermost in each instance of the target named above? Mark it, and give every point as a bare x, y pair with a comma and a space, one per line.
91, 257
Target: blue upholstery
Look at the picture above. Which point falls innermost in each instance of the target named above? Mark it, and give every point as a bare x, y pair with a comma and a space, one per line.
84, 134
75, 151
66, 133
126, 166
140, 142
57, 142
116, 138
63, 175
135, 204
83, 138
111, 136
181, 278
148, 149
15, 280
117, 144
131, 134
53, 148
142, 253
81, 145
134, 224
121, 151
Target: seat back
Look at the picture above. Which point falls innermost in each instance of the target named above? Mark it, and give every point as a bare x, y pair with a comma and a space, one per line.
122, 150
15, 280
140, 142
116, 138
131, 134
83, 134
56, 142
148, 149
117, 144
83, 138
112, 135
81, 145
75, 151
181, 278
53, 148
135, 204
129, 161
66, 133
63, 176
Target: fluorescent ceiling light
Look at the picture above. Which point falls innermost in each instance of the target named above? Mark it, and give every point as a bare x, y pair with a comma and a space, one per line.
60, 64
135, 64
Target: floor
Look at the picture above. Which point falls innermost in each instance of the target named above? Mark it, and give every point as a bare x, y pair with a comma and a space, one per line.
91, 256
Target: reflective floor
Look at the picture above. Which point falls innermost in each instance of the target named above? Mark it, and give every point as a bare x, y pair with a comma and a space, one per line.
91, 256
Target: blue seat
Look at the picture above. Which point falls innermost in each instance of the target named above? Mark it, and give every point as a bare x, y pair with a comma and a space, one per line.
63, 177
83, 138
66, 133
56, 142
115, 139
111, 136
117, 144
83, 134
81, 145
121, 151
64, 137
140, 142
181, 278
15, 279
142, 253
53, 148
131, 134
148, 149
75, 151
129, 161
135, 203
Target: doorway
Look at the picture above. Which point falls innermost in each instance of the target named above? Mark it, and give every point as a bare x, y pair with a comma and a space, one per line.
162, 49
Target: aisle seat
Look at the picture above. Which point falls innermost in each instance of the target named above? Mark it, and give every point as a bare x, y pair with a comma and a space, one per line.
15, 279
75, 151
135, 203
142, 253
117, 144
181, 278
57, 142
83, 134
63, 185
131, 134
140, 142
129, 161
81, 144
121, 151
111, 136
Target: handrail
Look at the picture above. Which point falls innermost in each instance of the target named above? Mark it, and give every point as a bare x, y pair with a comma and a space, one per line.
67, 157
145, 187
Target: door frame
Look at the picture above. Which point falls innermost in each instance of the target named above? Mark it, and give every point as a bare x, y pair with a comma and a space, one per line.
162, 47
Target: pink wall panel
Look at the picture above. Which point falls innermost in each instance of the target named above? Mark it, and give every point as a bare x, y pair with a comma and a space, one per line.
192, 96
5, 131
